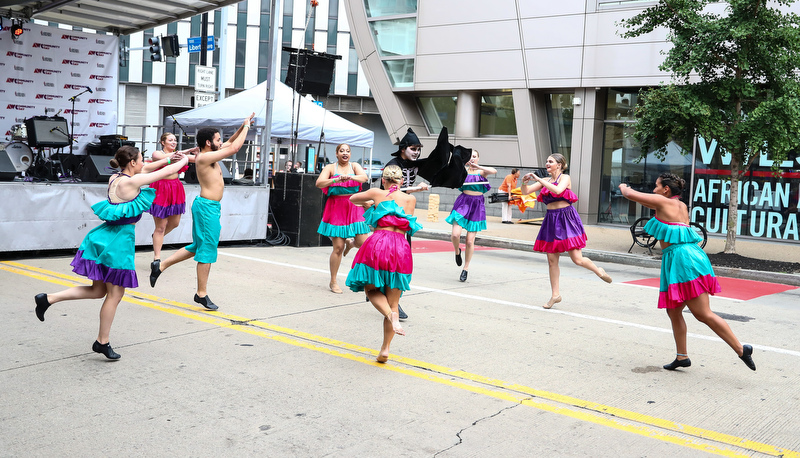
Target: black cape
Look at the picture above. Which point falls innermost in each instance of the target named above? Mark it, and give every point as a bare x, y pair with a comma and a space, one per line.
445, 167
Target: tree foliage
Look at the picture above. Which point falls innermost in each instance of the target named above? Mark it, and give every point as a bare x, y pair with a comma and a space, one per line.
734, 79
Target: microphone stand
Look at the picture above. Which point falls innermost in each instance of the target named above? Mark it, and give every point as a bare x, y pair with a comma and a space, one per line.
72, 120
60, 159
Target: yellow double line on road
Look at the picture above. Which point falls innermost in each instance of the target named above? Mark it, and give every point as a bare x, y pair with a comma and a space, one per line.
620, 419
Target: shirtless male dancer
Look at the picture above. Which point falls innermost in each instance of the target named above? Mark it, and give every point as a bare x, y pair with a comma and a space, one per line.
206, 208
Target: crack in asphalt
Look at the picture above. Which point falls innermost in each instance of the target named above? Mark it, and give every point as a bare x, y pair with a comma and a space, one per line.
461, 439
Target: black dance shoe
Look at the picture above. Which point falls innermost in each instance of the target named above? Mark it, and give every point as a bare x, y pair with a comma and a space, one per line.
401, 313
205, 302
105, 349
155, 271
747, 352
463, 276
678, 363
458, 258
42, 305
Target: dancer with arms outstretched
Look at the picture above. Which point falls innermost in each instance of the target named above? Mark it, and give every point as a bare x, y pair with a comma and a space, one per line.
687, 277
106, 255
206, 208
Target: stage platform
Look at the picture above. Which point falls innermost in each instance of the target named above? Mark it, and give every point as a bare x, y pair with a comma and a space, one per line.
51, 216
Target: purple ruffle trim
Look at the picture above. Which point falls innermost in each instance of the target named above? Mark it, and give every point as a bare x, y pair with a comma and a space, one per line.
94, 271
165, 212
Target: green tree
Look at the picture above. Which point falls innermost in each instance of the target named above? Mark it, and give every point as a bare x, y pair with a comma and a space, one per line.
734, 79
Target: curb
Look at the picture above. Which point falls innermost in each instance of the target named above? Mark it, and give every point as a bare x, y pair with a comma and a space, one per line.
620, 258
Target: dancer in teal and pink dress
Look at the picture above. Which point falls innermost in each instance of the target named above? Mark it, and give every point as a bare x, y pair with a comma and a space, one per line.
170, 202
106, 255
687, 277
469, 210
342, 221
383, 265
562, 229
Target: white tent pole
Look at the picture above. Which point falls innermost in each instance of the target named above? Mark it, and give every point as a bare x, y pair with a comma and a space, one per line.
222, 75
369, 171
272, 58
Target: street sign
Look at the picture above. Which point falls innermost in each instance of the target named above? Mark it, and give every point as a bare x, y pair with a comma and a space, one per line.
193, 43
205, 79
203, 99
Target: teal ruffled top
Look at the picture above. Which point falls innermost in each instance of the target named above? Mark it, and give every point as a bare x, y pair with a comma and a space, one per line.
111, 212
392, 212
673, 233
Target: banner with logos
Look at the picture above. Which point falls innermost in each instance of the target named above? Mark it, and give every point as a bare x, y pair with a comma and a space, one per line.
46, 69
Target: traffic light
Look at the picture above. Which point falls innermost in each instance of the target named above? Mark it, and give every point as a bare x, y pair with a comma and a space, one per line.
171, 46
155, 49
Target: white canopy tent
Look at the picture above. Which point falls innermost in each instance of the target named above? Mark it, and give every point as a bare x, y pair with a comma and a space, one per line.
313, 119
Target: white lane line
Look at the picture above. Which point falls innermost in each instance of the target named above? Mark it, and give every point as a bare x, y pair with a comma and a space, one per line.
521, 305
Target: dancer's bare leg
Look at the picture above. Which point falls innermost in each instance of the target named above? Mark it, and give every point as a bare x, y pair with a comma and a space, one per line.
359, 240
108, 310
381, 303
555, 272
203, 271
455, 238
582, 261
469, 249
158, 235
393, 297
96, 291
678, 331
701, 310
179, 256
335, 261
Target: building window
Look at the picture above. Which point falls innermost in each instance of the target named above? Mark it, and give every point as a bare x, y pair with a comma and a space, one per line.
377, 8
559, 123
401, 72
394, 28
497, 115
397, 37
622, 163
438, 112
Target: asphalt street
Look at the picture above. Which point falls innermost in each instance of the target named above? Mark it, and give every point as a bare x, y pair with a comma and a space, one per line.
286, 368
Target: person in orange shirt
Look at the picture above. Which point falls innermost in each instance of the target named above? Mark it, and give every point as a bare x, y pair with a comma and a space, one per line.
509, 183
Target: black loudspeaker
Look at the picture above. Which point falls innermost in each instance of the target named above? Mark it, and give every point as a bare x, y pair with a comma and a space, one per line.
297, 206
96, 169
190, 175
47, 132
310, 72
7, 169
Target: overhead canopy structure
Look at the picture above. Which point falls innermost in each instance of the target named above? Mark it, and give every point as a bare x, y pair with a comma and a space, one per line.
312, 121
120, 17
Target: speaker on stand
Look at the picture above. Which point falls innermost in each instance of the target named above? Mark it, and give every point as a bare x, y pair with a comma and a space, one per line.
310, 72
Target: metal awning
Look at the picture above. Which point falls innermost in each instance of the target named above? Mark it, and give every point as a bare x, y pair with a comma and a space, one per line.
120, 17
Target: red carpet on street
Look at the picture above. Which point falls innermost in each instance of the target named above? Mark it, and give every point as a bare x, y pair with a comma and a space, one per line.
438, 246
733, 288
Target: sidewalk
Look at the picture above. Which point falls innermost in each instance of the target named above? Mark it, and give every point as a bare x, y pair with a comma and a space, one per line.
611, 244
